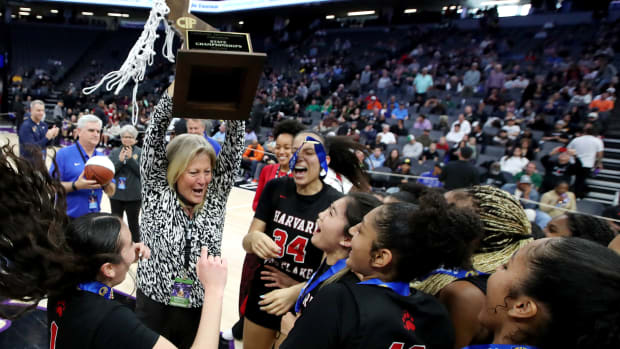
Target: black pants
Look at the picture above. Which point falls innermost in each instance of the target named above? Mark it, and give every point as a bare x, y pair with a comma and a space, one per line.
178, 325
132, 208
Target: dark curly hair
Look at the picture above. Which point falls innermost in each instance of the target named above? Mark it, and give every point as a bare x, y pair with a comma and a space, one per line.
341, 150
584, 304
292, 127
591, 228
426, 236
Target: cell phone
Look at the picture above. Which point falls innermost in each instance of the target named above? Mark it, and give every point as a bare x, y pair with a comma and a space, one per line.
562, 150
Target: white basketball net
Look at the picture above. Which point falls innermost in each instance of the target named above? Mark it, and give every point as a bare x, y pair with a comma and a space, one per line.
139, 57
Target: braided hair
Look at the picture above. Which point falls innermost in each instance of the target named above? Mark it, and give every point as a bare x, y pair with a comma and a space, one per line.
505, 230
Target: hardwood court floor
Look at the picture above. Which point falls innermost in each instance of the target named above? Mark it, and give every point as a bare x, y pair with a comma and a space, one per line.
238, 217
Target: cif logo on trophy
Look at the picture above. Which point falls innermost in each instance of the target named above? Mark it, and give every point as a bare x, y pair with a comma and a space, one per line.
217, 73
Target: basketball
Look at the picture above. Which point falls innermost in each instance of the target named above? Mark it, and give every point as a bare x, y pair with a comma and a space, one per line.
99, 168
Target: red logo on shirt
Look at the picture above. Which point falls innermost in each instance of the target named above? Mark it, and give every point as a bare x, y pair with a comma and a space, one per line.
408, 321
60, 308
282, 197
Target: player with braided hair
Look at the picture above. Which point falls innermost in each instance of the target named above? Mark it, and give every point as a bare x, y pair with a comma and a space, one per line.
582, 226
505, 230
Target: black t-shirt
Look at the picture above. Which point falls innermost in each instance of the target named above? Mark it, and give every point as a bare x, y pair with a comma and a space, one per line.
86, 320
348, 278
459, 174
368, 316
290, 220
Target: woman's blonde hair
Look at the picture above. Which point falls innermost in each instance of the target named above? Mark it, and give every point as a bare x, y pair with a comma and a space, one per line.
181, 151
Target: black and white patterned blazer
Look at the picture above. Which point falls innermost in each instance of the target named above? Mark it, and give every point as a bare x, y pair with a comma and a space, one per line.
163, 222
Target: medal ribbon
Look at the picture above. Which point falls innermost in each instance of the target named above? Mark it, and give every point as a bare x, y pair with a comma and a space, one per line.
402, 288
457, 273
312, 285
97, 288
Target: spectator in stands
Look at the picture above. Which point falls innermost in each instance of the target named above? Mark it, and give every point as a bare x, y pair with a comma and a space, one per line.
422, 123
58, 116
431, 178
249, 136
422, 82
430, 153
560, 170
589, 150
514, 161
368, 135
376, 159
393, 160
34, 135
220, 135
527, 148
603, 102
558, 134
401, 113
494, 99
313, 106
327, 107
512, 129
465, 125
253, 154
399, 129
100, 112
404, 169
384, 83
582, 226
456, 134
365, 77
373, 104
83, 195
557, 201
460, 173
111, 133
412, 149
531, 171
442, 144
425, 138
496, 78
200, 127
494, 176
471, 80
386, 137
523, 189
582, 97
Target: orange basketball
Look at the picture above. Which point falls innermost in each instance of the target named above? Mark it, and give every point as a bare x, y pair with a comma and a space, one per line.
99, 168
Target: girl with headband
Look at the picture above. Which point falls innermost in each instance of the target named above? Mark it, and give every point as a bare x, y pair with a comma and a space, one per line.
280, 234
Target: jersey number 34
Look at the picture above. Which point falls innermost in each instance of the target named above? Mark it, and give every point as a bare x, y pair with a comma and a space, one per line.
296, 248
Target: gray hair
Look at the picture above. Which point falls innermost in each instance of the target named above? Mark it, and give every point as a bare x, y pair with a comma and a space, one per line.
85, 119
37, 102
130, 130
205, 123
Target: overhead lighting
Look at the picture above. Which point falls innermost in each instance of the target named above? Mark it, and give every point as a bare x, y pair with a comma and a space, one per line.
444, 8
330, 17
87, 13
26, 9
453, 7
361, 13
411, 10
499, 2
39, 17
114, 14
241, 22
24, 13
12, 16
459, 10
125, 15
54, 11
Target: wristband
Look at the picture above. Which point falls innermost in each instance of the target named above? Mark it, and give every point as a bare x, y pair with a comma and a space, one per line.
73, 186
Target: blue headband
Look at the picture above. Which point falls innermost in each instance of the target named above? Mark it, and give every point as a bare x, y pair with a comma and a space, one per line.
320, 152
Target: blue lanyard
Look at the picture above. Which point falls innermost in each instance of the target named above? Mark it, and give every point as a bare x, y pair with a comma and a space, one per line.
97, 288
457, 273
402, 288
312, 285
499, 346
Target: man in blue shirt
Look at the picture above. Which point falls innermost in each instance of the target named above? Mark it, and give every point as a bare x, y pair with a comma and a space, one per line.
401, 113
431, 178
83, 195
33, 132
198, 127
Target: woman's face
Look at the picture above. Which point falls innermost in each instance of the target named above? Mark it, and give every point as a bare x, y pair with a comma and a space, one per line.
128, 140
308, 166
330, 226
558, 227
363, 236
561, 188
193, 183
284, 148
394, 154
517, 152
127, 254
506, 278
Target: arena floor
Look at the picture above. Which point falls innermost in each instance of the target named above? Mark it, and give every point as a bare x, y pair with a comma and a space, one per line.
238, 217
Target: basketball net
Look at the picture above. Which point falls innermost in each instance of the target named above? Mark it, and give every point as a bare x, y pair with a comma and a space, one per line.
139, 57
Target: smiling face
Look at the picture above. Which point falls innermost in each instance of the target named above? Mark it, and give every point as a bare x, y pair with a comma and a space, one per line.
363, 236
330, 226
37, 112
128, 140
193, 182
284, 149
308, 167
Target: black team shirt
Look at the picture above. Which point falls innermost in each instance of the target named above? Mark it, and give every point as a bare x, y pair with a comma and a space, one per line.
86, 320
371, 317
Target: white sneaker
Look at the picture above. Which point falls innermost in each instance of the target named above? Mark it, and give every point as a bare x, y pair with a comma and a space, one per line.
227, 335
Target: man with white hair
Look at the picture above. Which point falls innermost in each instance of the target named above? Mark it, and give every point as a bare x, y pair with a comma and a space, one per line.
83, 195
199, 127
33, 132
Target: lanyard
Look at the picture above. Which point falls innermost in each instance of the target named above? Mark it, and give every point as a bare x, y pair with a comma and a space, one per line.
188, 245
457, 273
499, 346
97, 288
312, 285
77, 145
278, 172
402, 288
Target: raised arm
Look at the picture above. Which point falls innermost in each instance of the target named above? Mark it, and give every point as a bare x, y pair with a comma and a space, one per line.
153, 162
229, 160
